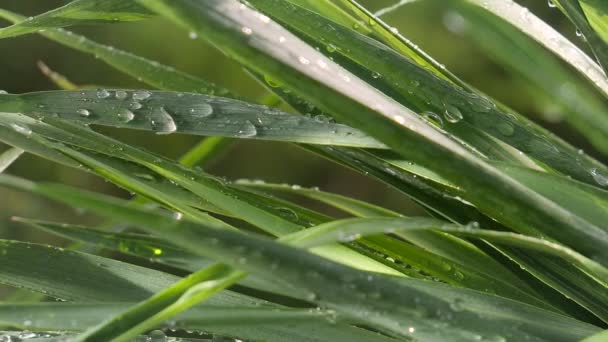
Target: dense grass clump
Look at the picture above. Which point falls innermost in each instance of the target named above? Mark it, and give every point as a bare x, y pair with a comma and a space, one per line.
513, 245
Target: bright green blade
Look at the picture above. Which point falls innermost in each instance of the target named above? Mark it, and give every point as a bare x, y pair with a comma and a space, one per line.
388, 308
189, 113
576, 14
595, 11
352, 229
584, 108
152, 312
8, 157
550, 38
466, 115
79, 12
346, 96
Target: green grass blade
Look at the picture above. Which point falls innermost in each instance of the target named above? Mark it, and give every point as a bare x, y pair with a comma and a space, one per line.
75, 276
327, 283
584, 109
128, 325
8, 157
12, 137
595, 11
576, 14
398, 42
144, 246
189, 113
79, 12
477, 115
148, 71
79, 316
358, 104
549, 37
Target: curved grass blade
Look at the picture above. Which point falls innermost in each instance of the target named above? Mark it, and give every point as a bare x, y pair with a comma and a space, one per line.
585, 110
310, 73
349, 229
152, 312
528, 23
167, 112
263, 323
575, 13
595, 11
8, 157
79, 12
145, 70
458, 112
388, 309
599, 337
12, 137
140, 245
271, 215
398, 42
75, 276
80, 316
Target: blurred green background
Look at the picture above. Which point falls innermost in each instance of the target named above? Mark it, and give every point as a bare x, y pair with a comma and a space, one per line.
425, 23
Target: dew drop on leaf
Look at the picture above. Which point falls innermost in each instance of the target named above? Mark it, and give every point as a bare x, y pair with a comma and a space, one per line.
125, 115
452, 114
157, 336
141, 95
201, 110
247, 130
84, 112
121, 94
599, 177
103, 94
162, 122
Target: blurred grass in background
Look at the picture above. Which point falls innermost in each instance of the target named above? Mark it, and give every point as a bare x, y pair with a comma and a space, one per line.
425, 23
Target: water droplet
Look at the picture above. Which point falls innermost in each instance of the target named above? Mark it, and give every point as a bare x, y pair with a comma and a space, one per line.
135, 105
21, 129
551, 3
287, 213
192, 35
141, 95
157, 336
201, 110
411, 330
125, 115
246, 30
3, 92
103, 94
599, 177
84, 112
375, 75
178, 216
162, 122
433, 118
121, 94
331, 48
247, 130
459, 275
452, 113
